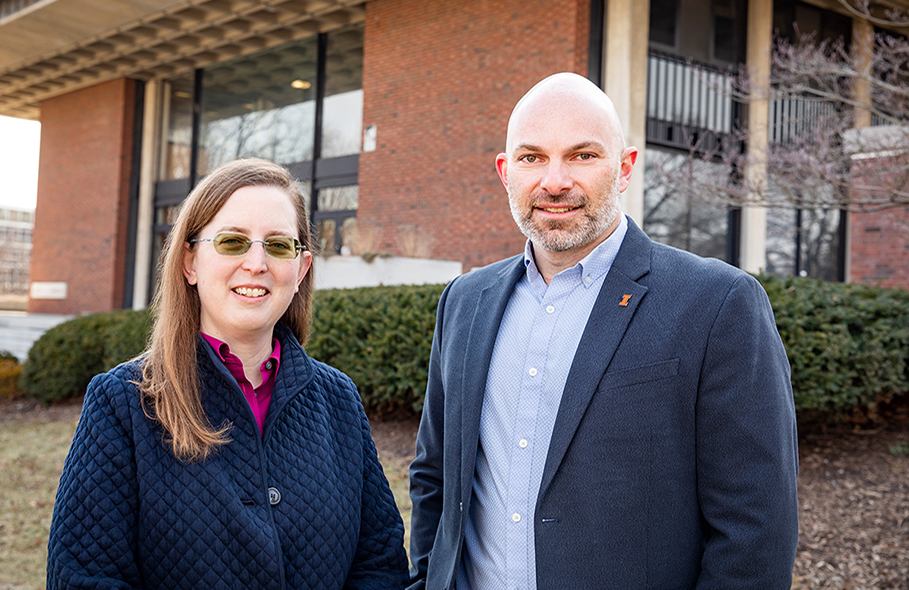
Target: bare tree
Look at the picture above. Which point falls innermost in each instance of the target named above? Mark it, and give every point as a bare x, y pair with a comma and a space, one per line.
838, 135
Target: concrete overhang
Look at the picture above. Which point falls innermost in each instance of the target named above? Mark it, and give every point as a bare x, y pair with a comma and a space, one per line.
52, 47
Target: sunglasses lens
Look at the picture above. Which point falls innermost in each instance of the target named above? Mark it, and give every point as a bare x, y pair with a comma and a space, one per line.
231, 244
281, 247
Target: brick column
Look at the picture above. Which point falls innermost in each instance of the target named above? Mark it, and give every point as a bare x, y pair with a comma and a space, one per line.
81, 219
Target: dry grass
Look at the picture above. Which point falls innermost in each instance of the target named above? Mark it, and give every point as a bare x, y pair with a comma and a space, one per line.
31, 459
853, 498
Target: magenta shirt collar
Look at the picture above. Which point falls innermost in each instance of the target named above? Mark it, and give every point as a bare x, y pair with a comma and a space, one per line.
258, 398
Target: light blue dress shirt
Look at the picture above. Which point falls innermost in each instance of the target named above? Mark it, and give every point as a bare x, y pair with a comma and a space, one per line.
534, 349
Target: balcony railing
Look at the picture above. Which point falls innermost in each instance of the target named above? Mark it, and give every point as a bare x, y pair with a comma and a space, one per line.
689, 103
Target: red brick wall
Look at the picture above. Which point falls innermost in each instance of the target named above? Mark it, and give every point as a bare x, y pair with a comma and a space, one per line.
879, 248
81, 219
440, 79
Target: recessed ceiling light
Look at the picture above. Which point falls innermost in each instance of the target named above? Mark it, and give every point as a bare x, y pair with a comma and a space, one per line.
301, 84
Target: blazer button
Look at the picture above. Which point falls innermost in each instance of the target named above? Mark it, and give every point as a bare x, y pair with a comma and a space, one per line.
274, 496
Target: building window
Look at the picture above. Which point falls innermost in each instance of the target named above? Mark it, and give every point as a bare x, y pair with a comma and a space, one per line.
178, 140
342, 118
806, 243
794, 19
729, 31
682, 220
263, 105
663, 22
270, 105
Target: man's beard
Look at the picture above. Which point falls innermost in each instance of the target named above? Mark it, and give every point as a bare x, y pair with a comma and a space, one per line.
561, 236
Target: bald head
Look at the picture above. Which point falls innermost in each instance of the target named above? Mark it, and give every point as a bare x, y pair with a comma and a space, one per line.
566, 95
564, 169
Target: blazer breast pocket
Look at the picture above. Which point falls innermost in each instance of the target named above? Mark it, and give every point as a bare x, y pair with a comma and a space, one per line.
640, 374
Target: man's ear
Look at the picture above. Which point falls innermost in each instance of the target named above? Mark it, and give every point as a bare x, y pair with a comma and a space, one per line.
189, 267
502, 168
629, 157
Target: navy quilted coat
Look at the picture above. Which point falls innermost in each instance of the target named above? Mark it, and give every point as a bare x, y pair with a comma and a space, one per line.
305, 506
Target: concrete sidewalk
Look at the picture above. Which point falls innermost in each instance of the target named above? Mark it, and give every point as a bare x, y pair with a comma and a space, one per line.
19, 330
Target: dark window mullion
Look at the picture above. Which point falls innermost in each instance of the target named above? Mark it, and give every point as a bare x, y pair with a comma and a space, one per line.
322, 46
197, 127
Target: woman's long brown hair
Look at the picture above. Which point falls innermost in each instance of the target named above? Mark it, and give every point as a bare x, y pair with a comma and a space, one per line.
170, 379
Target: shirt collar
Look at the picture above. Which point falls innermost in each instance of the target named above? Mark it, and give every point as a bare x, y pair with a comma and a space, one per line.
223, 351
591, 267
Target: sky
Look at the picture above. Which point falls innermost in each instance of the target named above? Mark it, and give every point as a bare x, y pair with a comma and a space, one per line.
19, 141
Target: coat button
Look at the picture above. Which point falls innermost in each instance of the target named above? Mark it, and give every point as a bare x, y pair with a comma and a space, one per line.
274, 496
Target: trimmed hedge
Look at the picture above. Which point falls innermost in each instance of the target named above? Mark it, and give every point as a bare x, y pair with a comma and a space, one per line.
380, 337
65, 358
848, 345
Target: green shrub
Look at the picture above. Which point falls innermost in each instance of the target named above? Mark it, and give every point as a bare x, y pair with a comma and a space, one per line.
126, 336
380, 337
848, 344
65, 358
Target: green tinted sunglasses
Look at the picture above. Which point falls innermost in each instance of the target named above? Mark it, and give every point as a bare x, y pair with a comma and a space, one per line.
238, 244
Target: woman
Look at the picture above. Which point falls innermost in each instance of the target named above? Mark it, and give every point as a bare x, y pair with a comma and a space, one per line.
225, 457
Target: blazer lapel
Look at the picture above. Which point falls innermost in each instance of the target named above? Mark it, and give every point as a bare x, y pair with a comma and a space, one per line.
616, 304
484, 328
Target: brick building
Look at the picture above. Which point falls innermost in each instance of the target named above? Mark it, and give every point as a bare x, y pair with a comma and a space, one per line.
16, 241
389, 112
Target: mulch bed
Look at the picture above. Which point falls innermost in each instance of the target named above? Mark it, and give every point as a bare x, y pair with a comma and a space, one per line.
854, 510
853, 495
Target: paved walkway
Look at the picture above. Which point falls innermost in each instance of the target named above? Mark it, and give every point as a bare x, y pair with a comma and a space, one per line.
19, 330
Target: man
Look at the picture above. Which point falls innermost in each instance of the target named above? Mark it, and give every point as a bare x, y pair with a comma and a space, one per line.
603, 411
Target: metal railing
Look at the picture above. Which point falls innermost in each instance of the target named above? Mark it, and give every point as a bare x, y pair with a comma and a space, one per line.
689, 103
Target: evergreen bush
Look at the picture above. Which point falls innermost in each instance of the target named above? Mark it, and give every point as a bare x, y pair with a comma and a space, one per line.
848, 345
380, 337
65, 358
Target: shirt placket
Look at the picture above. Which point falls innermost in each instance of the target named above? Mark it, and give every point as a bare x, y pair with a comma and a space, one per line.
526, 448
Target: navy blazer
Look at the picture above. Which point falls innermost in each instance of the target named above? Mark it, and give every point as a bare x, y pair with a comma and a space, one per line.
673, 460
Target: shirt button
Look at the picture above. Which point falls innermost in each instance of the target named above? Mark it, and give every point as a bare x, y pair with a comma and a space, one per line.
550, 309
588, 280
522, 443
274, 496
532, 372
269, 365
516, 517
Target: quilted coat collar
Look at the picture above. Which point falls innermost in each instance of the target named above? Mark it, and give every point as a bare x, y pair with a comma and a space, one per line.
294, 375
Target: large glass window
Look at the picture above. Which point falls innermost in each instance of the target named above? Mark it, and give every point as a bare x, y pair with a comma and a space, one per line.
262, 105
267, 105
805, 242
729, 30
342, 118
682, 219
178, 142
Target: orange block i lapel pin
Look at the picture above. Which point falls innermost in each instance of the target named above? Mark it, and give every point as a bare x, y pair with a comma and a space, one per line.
624, 301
